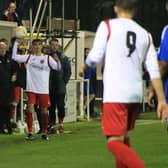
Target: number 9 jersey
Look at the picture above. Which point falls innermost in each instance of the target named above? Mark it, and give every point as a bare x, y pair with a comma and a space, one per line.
125, 46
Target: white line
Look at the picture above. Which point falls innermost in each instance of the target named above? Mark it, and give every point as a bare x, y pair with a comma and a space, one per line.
147, 122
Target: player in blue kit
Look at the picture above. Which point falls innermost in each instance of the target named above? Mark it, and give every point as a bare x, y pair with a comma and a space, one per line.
163, 62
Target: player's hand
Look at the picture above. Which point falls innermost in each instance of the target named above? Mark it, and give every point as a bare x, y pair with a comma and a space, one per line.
162, 111
150, 98
55, 56
13, 78
19, 41
82, 70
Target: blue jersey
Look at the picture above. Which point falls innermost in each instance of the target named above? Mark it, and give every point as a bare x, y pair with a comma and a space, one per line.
89, 74
163, 56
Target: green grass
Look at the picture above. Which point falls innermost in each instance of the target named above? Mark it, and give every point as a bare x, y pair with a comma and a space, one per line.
148, 116
84, 148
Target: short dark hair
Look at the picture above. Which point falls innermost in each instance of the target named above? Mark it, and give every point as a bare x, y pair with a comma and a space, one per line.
53, 40
128, 5
86, 48
4, 40
36, 41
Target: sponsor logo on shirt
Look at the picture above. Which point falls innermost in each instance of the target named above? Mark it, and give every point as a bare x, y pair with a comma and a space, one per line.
42, 61
37, 66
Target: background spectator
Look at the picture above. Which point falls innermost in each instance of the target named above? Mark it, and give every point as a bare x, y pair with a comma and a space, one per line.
91, 75
5, 88
58, 82
11, 15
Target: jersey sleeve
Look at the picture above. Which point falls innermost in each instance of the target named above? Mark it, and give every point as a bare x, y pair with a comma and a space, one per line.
99, 46
56, 65
151, 62
16, 57
163, 49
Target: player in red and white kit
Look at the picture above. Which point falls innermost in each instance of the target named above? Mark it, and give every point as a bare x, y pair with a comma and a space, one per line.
38, 67
20, 77
125, 46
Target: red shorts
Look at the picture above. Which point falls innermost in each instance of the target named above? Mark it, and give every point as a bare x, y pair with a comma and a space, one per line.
42, 100
16, 92
118, 118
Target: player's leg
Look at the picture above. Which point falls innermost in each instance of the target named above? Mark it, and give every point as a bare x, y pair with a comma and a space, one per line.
29, 117
2, 119
61, 112
44, 122
7, 118
38, 113
91, 105
31, 100
13, 107
126, 141
44, 103
52, 114
29, 121
133, 112
114, 124
127, 157
14, 103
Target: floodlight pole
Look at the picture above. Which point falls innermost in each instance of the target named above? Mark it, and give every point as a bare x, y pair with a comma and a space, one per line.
62, 24
42, 17
30, 26
37, 16
76, 39
50, 17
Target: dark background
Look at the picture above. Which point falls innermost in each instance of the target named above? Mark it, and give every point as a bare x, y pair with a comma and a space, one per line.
151, 14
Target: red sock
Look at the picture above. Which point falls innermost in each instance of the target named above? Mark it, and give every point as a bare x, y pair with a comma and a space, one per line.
125, 154
12, 111
60, 120
29, 121
119, 164
44, 123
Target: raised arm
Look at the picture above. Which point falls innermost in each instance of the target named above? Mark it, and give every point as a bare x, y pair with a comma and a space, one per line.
54, 64
17, 57
97, 52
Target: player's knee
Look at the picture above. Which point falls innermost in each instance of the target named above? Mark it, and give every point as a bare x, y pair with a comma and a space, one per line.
111, 142
30, 108
44, 110
114, 138
14, 103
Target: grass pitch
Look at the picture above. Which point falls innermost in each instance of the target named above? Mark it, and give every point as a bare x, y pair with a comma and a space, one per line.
85, 147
